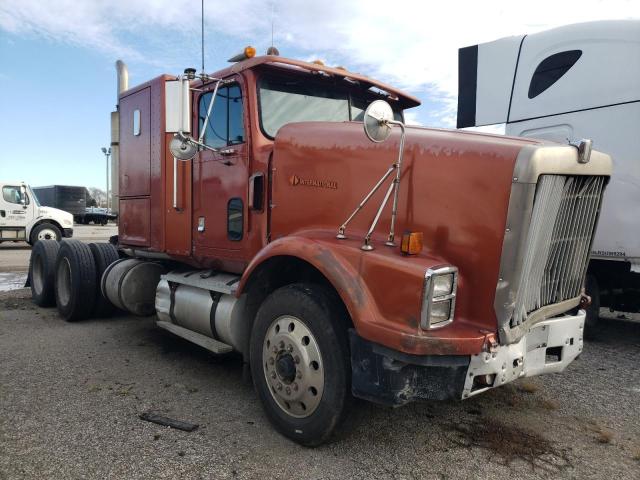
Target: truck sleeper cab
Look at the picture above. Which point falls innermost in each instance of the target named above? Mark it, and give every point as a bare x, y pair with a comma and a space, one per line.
572, 82
263, 241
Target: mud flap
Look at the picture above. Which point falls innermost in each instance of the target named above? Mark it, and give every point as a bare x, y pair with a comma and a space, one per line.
392, 378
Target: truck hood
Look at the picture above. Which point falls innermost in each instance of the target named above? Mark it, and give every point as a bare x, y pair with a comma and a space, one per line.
455, 189
63, 218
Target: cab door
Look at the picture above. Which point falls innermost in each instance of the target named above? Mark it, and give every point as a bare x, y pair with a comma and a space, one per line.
16, 208
220, 178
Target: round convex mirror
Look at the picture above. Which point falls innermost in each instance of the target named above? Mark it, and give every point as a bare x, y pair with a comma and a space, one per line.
182, 149
376, 118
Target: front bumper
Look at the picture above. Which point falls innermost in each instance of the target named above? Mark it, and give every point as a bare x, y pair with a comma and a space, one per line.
67, 232
548, 346
386, 376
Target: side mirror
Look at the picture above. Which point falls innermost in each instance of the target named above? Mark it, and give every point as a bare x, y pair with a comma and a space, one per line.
23, 196
182, 148
376, 121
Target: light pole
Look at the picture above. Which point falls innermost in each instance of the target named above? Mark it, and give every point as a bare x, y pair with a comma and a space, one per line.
107, 154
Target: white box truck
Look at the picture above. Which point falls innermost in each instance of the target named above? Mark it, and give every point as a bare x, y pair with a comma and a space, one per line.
23, 219
569, 83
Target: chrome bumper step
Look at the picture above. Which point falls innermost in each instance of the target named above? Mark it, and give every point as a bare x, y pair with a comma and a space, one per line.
210, 344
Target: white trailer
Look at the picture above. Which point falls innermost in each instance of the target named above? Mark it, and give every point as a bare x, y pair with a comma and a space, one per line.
23, 219
573, 82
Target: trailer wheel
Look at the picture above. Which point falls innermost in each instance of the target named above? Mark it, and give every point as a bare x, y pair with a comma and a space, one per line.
593, 311
300, 363
42, 265
75, 281
45, 231
104, 254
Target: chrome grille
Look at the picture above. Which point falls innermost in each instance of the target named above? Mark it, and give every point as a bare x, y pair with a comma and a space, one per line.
557, 251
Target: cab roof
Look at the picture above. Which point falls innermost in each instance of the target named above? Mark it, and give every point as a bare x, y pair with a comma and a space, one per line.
405, 99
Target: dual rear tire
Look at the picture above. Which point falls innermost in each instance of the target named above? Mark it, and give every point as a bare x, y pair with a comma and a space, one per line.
67, 274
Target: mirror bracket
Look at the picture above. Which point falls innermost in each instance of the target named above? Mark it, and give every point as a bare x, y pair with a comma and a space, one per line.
378, 121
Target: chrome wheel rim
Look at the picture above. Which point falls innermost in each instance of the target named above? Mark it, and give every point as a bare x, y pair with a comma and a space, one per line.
63, 281
47, 234
293, 367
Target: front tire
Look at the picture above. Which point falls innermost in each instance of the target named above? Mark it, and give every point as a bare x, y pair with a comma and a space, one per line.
45, 231
300, 363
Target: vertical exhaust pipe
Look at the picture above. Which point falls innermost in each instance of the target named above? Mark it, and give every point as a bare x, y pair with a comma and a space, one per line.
123, 78
123, 86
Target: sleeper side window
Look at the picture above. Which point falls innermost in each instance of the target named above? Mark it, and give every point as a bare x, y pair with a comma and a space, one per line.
551, 69
226, 124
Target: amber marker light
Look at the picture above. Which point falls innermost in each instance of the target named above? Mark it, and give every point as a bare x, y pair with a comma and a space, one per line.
411, 243
249, 52
318, 62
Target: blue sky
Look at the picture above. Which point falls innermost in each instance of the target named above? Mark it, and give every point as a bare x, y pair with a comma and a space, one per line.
57, 75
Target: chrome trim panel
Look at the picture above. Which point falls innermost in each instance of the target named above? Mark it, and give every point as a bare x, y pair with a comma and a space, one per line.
535, 160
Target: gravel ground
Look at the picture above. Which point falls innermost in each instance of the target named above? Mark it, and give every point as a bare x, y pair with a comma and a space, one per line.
71, 394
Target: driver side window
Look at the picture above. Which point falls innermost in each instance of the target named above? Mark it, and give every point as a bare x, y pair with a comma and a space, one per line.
13, 194
226, 125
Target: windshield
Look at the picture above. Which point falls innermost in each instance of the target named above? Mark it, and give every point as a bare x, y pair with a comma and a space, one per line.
34, 196
291, 100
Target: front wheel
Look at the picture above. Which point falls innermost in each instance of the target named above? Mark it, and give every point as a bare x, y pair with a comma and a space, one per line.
300, 361
45, 231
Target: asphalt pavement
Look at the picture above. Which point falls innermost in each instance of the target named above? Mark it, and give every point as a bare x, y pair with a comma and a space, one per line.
71, 395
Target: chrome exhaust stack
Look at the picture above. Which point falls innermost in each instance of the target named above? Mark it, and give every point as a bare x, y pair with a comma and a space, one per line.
123, 85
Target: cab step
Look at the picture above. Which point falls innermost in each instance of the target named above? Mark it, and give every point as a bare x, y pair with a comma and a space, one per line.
210, 344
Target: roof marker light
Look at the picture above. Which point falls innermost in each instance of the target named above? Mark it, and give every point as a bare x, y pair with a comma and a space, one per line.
248, 52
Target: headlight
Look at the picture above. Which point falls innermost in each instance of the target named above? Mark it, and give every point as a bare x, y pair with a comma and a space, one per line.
67, 222
442, 284
439, 297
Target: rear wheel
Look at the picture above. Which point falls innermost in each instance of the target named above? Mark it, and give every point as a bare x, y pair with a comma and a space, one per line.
75, 281
593, 311
42, 272
300, 361
45, 231
104, 254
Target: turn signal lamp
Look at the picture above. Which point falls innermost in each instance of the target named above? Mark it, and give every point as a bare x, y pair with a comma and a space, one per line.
411, 243
248, 52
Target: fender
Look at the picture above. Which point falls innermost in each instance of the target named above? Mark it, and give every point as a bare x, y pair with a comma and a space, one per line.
389, 320
335, 263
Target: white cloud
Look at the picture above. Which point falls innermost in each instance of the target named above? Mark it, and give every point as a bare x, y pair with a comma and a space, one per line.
409, 43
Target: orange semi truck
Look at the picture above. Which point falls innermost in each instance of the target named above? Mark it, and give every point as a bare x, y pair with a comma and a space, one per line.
281, 209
